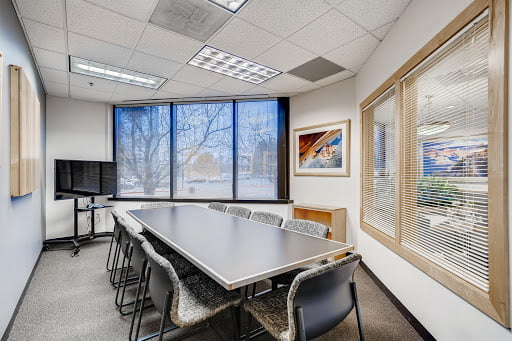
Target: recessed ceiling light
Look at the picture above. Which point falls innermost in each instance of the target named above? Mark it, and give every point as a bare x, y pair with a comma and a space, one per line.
433, 128
215, 60
230, 5
114, 73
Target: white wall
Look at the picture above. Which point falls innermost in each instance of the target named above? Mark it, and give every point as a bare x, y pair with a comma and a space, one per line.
83, 130
21, 219
443, 313
325, 105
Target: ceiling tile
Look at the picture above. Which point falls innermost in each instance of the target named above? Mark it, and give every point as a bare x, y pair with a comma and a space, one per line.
316, 69
166, 95
51, 59
214, 93
308, 87
354, 53
153, 65
99, 51
334, 2
331, 30
136, 9
284, 56
89, 94
83, 81
355, 69
168, 45
197, 19
196, 76
243, 39
232, 85
285, 82
258, 90
44, 36
182, 89
55, 76
381, 32
132, 92
372, 14
57, 89
335, 78
102, 24
49, 12
283, 17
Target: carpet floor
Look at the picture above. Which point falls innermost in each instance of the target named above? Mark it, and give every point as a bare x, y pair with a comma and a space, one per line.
72, 299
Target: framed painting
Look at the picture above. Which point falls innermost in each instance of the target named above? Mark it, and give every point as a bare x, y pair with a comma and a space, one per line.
463, 158
323, 150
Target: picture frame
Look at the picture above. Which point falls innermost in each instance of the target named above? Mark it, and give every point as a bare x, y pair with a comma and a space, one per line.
322, 150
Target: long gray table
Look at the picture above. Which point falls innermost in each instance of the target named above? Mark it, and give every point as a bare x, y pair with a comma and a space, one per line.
233, 251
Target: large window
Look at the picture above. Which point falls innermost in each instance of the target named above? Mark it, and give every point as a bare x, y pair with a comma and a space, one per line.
232, 150
433, 166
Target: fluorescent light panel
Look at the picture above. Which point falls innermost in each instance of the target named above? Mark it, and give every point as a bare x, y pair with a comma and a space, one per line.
215, 60
114, 73
230, 5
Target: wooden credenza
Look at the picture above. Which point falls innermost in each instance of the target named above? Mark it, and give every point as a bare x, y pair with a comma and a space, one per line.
334, 217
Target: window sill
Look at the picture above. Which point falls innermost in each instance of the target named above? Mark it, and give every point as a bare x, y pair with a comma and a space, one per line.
239, 201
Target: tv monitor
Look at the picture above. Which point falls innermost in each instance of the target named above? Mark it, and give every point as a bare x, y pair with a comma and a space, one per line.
80, 179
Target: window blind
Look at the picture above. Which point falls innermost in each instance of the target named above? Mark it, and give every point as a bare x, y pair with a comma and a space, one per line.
444, 148
379, 171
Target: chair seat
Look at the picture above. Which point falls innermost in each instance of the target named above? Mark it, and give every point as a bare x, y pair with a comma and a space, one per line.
201, 298
160, 247
271, 311
182, 266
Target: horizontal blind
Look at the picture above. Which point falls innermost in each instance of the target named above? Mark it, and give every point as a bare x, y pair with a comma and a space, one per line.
379, 168
445, 154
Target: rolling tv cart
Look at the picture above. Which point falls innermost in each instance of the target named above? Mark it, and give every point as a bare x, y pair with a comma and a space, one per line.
77, 239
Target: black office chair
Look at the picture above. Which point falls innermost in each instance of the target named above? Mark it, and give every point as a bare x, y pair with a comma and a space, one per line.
239, 211
303, 226
218, 206
267, 218
316, 302
115, 237
122, 244
184, 302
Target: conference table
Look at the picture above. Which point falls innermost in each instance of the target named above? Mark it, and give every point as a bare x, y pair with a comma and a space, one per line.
234, 251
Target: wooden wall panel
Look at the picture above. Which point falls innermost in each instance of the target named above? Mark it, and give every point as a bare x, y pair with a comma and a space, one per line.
25, 142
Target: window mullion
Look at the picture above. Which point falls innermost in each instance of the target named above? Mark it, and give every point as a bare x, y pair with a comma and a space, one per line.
235, 151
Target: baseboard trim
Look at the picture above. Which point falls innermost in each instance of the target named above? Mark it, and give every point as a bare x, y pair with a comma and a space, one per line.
424, 333
20, 301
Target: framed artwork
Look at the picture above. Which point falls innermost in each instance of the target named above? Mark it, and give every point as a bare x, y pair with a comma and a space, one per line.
463, 158
323, 150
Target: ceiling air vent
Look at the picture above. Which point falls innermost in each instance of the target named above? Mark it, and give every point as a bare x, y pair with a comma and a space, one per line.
316, 69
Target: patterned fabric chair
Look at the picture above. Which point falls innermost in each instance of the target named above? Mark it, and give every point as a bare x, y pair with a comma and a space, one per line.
184, 302
218, 206
304, 226
317, 301
308, 227
267, 218
156, 204
239, 211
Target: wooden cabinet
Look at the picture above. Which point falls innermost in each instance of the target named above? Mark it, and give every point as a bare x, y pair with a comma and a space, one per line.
334, 217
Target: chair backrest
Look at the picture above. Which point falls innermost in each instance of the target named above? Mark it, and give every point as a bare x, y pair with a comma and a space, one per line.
138, 255
156, 204
117, 231
308, 227
218, 206
267, 218
163, 279
239, 211
324, 295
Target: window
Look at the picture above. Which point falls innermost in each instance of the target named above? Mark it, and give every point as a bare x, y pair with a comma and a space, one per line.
232, 150
434, 163
203, 164
143, 150
257, 149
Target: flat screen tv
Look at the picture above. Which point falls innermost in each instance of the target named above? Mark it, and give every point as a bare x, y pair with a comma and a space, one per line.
80, 179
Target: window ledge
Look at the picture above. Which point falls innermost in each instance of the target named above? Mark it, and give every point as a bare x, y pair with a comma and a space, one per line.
240, 201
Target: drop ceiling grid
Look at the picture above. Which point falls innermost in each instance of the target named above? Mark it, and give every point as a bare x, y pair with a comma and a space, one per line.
275, 39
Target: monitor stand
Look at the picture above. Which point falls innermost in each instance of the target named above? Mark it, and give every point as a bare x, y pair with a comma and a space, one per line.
77, 239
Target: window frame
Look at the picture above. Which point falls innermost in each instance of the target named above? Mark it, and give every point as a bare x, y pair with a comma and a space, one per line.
283, 105
496, 302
